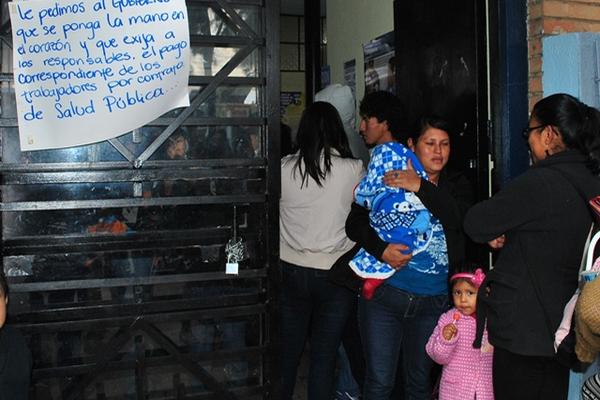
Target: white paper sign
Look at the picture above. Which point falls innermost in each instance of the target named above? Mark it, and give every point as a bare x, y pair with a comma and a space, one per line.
232, 268
87, 71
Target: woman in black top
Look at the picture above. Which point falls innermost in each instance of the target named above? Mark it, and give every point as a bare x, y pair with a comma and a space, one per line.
15, 357
540, 222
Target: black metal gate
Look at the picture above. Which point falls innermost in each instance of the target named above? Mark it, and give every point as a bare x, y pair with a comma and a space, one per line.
115, 250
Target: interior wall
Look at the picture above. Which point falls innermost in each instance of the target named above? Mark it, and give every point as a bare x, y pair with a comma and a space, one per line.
293, 82
350, 24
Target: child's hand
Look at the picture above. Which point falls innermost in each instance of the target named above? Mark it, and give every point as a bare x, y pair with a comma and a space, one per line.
497, 243
449, 331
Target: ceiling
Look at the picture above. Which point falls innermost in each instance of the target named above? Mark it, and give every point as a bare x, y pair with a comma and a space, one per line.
296, 7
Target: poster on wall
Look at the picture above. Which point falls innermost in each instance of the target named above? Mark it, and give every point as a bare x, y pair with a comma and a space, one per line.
350, 75
379, 64
91, 70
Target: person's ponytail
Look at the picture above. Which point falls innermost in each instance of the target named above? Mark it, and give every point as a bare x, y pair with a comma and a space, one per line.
577, 123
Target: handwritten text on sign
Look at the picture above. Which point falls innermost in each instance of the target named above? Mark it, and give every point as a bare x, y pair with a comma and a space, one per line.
87, 71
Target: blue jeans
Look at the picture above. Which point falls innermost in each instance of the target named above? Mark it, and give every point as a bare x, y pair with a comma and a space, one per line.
345, 380
311, 304
395, 322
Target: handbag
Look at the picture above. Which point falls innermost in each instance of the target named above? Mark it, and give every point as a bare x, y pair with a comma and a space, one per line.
587, 322
565, 337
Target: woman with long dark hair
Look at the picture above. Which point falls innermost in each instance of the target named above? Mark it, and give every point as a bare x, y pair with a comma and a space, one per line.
317, 184
540, 222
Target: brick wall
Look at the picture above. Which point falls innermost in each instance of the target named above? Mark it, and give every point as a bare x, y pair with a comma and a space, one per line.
553, 17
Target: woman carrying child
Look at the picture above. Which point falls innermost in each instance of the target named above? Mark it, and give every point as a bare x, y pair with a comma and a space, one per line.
400, 317
467, 371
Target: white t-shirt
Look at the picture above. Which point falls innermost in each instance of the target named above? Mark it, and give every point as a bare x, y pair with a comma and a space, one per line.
312, 217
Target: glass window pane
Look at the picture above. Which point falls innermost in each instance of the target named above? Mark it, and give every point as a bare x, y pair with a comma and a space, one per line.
207, 61
7, 100
146, 241
229, 101
123, 221
301, 64
205, 20
289, 57
289, 29
226, 142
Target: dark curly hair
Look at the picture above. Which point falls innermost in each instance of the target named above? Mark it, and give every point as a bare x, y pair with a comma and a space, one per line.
385, 106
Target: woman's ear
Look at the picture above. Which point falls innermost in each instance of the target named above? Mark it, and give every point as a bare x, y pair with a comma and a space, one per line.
410, 144
548, 134
552, 138
555, 132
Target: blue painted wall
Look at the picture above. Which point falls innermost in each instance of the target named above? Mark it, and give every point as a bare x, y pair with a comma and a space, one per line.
570, 66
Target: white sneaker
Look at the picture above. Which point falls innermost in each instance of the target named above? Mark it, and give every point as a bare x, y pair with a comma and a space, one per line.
345, 396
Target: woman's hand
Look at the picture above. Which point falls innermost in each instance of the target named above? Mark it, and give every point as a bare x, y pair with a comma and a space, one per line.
407, 180
395, 255
449, 331
497, 243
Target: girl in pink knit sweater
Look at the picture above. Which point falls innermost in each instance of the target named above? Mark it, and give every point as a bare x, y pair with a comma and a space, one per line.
467, 372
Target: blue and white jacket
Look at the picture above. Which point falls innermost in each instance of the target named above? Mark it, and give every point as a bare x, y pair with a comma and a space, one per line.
398, 216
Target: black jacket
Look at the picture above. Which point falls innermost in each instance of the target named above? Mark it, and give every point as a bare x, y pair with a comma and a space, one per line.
15, 365
546, 221
448, 201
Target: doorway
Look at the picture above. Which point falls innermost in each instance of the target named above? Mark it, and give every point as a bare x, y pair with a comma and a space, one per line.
442, 69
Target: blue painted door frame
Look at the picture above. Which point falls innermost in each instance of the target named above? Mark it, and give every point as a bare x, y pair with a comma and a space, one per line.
509, 89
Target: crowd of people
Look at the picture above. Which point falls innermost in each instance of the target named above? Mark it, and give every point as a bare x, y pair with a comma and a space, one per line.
378, 255
373, 260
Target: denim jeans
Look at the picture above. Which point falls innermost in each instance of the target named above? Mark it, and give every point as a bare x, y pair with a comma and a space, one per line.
346, 384
310, 304
395, 322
